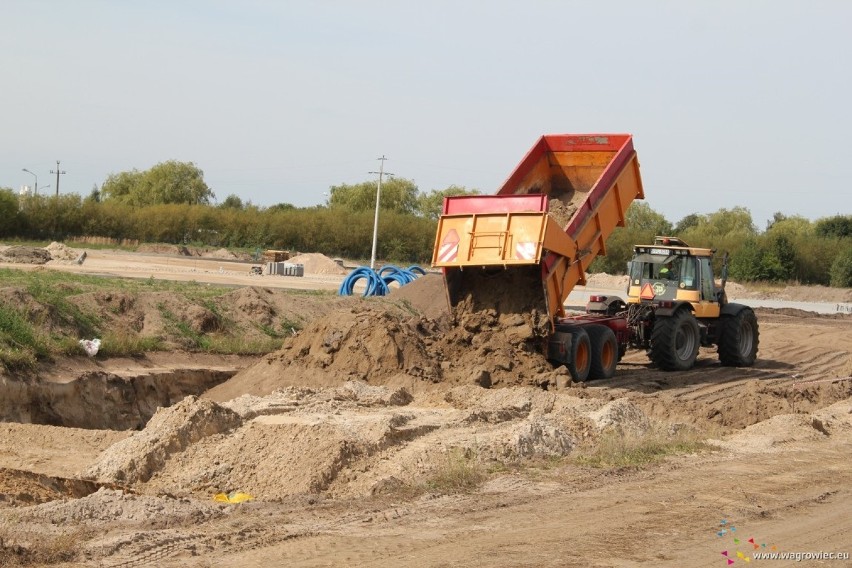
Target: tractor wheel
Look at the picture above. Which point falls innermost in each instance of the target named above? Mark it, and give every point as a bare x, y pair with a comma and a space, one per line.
674, 341
739, 339
580, 360
605, 353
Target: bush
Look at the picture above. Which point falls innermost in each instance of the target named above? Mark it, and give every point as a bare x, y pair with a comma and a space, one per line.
841, 270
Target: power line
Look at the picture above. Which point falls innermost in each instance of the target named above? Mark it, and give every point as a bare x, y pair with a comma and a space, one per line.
381, 173
57, 172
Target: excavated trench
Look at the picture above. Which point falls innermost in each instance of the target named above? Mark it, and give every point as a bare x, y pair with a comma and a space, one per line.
102, 400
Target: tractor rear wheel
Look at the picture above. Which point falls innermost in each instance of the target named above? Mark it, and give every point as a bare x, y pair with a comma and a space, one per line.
605, 353
580, 358
674, 341
739, 339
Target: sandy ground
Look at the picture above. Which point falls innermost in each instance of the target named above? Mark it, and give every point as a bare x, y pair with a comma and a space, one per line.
336, 435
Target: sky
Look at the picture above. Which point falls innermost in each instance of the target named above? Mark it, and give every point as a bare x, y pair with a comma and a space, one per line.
730, 103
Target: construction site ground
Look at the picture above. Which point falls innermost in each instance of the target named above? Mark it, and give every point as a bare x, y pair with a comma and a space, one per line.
383, 434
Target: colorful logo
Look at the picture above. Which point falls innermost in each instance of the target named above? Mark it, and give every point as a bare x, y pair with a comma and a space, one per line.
732, 552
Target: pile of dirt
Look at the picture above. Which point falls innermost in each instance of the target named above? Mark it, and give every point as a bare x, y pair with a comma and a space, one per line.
222, 253
59, 251
607, 281
164, 249
110, 505
426, 295
317, 263
347, 441
382, 344
561, 211
25, 255
171, 430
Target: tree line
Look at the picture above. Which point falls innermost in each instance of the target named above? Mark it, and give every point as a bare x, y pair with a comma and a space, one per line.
170, 203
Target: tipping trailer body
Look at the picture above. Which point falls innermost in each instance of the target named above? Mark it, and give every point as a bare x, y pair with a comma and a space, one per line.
525, 241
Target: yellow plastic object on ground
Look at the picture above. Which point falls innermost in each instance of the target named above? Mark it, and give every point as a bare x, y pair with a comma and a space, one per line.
232, 497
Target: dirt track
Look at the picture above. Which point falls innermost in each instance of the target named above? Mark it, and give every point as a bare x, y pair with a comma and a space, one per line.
333, 456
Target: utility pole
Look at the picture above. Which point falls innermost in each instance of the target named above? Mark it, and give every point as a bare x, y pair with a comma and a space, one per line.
57, 172
381, 173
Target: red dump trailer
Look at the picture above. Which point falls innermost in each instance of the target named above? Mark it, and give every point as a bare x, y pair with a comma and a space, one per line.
525, 248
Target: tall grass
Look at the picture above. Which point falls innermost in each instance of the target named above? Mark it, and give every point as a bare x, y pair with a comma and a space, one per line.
617, 449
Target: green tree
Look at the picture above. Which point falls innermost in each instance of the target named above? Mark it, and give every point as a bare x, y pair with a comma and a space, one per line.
841, 269
837, 226
642, 224
121, 185
398, 194
781, 248
167, 182
9, 217
642, 218
232, 202
691, 220
431, 205
791, 227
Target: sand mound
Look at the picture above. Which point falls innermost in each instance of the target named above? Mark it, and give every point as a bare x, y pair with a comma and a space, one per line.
170, 431
253, 303
607, 281
25, 255
164, 249
316, 263
377, 343
222, 253
426, 295
109, 505
58, 251
621, 415
358, 439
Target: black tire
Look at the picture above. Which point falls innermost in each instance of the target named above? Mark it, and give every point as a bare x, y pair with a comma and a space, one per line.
674, 341
581, 354
739, 339
605, 352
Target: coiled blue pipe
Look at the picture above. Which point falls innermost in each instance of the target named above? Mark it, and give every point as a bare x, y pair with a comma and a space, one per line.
378, 280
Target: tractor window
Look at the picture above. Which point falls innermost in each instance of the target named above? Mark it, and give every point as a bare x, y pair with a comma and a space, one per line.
708, 287
687, 273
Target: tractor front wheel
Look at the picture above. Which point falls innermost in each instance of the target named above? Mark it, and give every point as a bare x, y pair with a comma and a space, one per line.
674, 341
739, 339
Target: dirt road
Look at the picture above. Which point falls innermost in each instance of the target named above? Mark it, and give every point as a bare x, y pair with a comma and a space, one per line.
369, 440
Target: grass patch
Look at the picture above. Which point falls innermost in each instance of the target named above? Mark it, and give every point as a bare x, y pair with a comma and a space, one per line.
616, 449
120, 344
50, 322
459, 472
191, 338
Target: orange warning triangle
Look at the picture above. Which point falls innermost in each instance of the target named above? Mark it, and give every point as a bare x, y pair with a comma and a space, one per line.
451, 238
647, 292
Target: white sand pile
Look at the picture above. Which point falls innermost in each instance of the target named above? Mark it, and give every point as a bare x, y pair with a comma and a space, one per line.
58, 251
316, 263
607, 281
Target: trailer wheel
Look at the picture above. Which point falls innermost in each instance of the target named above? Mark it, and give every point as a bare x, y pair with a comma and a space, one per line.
605, 352
675, 341
580, 360
739, 339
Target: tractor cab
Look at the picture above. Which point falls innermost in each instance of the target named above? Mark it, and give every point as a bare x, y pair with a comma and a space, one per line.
669, 272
